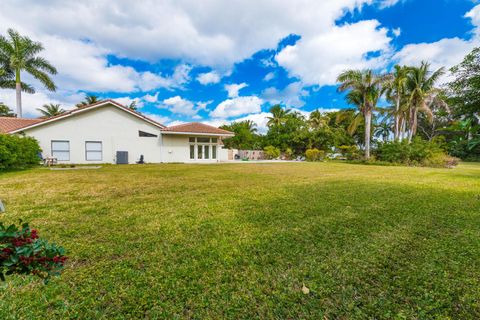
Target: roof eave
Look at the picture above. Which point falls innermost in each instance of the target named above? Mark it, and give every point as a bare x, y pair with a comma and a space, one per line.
199, 134
86, 109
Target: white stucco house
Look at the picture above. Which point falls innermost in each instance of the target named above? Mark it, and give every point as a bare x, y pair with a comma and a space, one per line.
108, 132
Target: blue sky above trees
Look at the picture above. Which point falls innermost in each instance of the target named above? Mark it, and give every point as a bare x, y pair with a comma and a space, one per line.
221, 61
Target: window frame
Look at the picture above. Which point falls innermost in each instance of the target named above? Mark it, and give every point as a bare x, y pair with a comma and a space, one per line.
200, 147
95, 151
52, 151
144, 134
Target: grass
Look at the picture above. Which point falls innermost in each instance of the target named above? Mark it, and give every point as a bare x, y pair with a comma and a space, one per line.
240, 240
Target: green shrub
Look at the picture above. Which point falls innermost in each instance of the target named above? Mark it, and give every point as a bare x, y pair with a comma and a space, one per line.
22, 252
350, 152
271, 152
441, 160
288, 154
18, 152
314, 154
418, 153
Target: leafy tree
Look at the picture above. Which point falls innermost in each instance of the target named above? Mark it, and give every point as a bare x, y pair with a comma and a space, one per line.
422, 94
20, 53
89, 99
5, 111
245, 138
464, 99
51, 110
291, 132
365, 89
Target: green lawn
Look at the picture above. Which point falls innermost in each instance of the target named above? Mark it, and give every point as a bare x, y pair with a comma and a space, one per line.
239, 241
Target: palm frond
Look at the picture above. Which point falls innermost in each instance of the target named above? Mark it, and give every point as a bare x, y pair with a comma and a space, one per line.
42, 77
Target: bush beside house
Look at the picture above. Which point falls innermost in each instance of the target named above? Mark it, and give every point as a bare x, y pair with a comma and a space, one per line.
18, 152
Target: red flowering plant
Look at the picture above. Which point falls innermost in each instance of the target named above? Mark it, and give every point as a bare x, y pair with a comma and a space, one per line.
23, 252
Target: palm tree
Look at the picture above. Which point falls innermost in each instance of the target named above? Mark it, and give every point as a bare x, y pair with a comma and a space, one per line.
51, 110
5, 111
421, 93
279, 115
366, 87
89, 99
383, 131
249, 125
19, 53
318, 120
396, 90
132, 105
7, 79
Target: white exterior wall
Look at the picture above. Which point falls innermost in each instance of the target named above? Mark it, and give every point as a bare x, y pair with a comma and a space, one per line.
116, 129
176, 148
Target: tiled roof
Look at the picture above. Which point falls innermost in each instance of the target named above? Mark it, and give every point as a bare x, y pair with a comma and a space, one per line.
8, 124
82, 109
196, 127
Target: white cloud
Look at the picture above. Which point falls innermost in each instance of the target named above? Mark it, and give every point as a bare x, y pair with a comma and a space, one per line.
160, 119
208, 78
445, 52
397, 32
83, 65
291, 95
127, 100
269, 76
175, 123
181, 106
151, 98
237, 106
318, 59
32, 101
474, 16
234, 89
148, 81
389, 3
198, 32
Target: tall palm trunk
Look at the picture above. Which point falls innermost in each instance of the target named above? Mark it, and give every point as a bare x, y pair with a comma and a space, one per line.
396, 132
368, 125
413, 124
18, 89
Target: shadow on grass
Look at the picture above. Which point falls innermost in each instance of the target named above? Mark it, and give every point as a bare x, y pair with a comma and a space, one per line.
366, 250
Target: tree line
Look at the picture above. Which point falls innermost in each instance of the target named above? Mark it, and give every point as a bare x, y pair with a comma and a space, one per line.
448, 115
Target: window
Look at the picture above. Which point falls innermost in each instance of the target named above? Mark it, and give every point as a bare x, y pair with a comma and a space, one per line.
191, 139
207, 151
214, 140
203, 140
192, 152
61, 150
214, 152
199, 152
93, 150
146, 134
